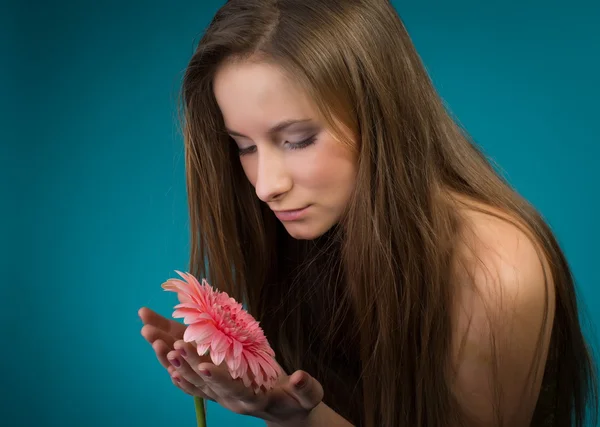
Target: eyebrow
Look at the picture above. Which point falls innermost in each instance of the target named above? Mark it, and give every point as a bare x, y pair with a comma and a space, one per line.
279, 127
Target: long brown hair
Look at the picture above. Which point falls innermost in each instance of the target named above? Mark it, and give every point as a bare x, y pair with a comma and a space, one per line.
366, 308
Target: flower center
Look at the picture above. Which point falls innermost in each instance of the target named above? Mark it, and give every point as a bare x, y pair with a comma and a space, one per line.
229, 319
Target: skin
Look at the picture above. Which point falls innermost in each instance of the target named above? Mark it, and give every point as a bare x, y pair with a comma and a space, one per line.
300, 166
500, 276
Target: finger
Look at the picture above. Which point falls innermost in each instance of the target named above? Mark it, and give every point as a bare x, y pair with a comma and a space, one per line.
218, 379
161, 349
189, 351
203, 392
184, 369
188, 388
151, 333
191, 389
170, 326
183, 385
305, 389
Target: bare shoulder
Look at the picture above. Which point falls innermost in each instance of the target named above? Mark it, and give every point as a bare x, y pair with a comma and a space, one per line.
503, 317
501, 257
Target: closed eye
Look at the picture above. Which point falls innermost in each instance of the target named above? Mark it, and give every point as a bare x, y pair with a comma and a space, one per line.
292, 146
247, 150
302, 144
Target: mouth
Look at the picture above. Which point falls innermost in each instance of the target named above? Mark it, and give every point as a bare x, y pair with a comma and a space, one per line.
291, 215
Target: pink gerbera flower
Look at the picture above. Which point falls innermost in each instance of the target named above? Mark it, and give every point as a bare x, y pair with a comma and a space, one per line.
219, 325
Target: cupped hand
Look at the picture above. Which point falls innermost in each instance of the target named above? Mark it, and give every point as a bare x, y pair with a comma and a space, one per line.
162, 334
291, 400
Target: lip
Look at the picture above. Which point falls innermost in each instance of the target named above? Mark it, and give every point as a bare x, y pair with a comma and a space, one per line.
291, 215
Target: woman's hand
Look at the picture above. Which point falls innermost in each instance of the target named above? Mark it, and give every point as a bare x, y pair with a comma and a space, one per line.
162, 334
289, 402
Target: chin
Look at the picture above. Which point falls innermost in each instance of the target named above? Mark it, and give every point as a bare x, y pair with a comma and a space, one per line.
305, 231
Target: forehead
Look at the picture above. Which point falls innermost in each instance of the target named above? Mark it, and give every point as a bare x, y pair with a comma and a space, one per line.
252, 95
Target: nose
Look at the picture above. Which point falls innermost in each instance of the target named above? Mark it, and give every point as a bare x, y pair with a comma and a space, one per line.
272, 179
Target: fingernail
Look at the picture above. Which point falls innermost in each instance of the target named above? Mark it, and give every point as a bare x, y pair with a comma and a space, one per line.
177, 379
205, 373
301, 383
176, 362
183, 353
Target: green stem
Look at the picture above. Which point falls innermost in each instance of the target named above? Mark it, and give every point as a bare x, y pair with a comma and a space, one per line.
200, 411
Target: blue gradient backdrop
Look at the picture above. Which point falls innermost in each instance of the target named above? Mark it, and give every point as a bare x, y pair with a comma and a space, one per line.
92, 177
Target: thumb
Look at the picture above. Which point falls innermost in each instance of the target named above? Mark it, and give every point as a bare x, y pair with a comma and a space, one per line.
305, 389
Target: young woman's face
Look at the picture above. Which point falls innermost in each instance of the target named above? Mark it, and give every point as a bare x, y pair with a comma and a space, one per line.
293, 161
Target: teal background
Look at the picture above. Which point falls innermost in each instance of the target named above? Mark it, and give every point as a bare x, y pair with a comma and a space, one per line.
92, 179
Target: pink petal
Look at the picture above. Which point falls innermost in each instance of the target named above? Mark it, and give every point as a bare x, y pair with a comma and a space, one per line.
186, 276
184, 298
206, 341
199, 332
189, 315
253, 364
193, 282
186, 291
268, 365
236, 373
203, 348
243, 368
243, 347
188, 305
220, 342
237, 348
217, 357
175, 285
198, 315
232, 362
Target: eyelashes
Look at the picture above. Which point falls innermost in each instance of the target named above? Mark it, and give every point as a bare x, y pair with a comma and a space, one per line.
291, 145
249, 150
302, 144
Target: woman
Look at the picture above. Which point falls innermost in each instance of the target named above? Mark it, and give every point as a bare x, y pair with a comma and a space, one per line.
399, 279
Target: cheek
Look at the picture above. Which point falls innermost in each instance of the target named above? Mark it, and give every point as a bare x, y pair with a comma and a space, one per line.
330, 168
249, 167
318, 175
